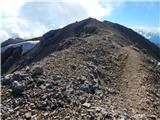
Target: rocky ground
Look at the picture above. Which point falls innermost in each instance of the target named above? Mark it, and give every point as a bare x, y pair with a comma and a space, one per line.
93, 73
98, 80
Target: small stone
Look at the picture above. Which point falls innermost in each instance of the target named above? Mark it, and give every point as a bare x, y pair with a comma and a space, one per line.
73, 66
37, 71
139, 116
6, 80
90, 110
16, 108
70, 91
18, 76
11, 110
7, 77
28, 115
40, 82
67, 118
83, 114
17, 113
17, 87
98, 109
56, 77
87, 105
46, 114
153, 117
42, 87
88, 87
104, 112
82, 99
48, 85
34, 117
32, 105
83, 78
27, 68
44, 97
111, 91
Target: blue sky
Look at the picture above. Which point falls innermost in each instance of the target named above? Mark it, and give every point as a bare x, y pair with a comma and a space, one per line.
137, 13
32, 18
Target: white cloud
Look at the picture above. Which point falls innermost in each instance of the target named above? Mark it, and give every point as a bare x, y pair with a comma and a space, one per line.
10, 8
151, 33
31, 18
155, 30
4, 35
16, 27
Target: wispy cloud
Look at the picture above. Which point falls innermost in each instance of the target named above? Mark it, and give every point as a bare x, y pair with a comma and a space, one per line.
31, 18
151, 33
148, 29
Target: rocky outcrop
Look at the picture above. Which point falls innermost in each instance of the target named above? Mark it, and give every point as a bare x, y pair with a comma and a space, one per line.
12, 53
9, 57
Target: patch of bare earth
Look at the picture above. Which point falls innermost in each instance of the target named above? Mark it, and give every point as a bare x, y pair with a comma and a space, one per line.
132, 92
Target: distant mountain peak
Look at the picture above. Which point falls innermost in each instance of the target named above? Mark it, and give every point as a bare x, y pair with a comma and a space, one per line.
89, 27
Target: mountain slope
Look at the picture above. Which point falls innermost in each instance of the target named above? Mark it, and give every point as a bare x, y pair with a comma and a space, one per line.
86, 70
122, 35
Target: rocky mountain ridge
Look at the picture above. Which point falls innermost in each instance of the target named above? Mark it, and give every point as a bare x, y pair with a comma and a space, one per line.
86, 70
